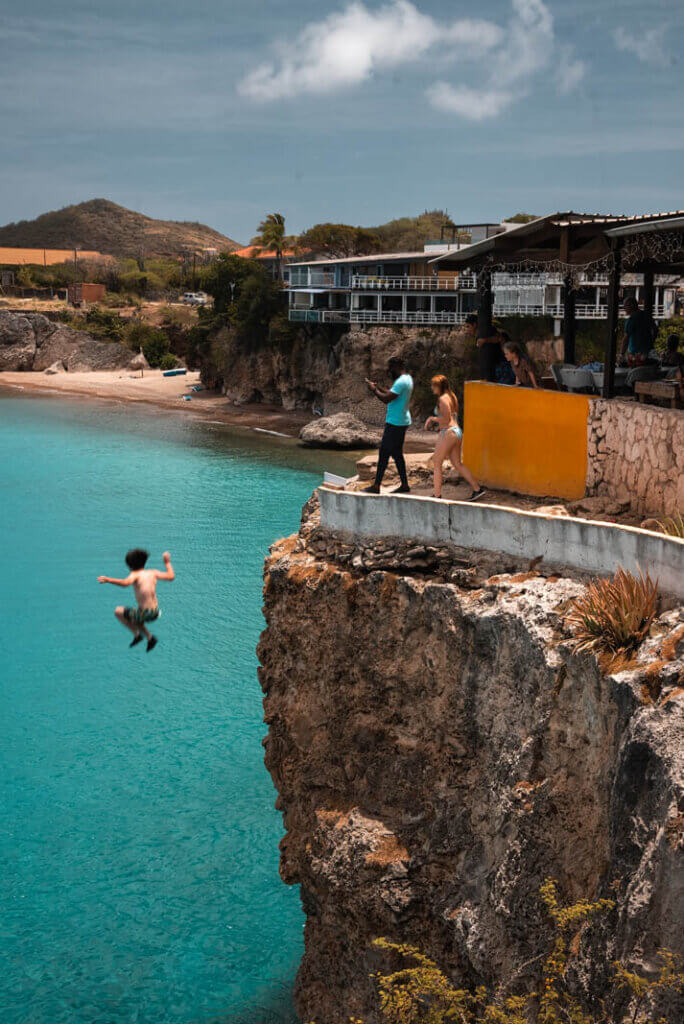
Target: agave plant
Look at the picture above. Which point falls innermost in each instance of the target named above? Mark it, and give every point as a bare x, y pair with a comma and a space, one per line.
673, 526
614, 616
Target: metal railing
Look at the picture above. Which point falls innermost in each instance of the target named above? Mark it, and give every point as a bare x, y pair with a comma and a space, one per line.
318, 316
313, 279
371, 316
425, 283
583, 311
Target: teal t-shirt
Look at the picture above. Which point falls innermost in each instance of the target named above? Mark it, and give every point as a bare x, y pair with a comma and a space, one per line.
639, 331
398, 414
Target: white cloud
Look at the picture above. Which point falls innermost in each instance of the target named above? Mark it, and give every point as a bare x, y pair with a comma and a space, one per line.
528, 49
648, 46
570, 70
349, 46
473, 104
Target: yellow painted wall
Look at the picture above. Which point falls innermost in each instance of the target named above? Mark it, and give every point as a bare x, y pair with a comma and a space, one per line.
525, 440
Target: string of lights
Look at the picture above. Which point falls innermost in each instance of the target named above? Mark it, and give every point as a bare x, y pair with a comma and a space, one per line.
665, 247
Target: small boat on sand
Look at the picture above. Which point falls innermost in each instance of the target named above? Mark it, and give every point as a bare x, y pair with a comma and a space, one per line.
174, 373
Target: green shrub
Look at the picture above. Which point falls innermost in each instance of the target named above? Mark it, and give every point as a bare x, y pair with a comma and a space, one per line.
167, 362
419, 992
152, 340
675, 325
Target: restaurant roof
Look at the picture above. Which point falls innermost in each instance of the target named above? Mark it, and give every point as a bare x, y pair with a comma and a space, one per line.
539, 240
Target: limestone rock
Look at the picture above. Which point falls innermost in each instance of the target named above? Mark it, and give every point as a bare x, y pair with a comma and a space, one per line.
33, 342
339, 431
78, 351
438, 754
17, 341
56, 367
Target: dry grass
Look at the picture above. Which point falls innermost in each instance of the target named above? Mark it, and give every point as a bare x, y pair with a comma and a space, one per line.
614, 616
673, 526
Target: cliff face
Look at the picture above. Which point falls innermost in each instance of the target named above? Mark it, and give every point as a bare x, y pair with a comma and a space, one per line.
437, 755
29, 341
327, 368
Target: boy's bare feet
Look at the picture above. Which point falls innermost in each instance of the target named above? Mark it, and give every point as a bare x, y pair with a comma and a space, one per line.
152, 643
136, 640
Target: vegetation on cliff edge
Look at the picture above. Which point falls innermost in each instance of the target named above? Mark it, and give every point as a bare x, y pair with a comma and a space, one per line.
419, 992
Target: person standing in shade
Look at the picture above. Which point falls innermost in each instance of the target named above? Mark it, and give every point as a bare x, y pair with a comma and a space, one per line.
489, 355
397, 421
640, 332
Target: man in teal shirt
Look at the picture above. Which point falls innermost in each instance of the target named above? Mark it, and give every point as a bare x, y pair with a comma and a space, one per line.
639, 334
397, 420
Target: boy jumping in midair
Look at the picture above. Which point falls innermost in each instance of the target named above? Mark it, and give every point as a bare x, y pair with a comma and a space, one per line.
144, 583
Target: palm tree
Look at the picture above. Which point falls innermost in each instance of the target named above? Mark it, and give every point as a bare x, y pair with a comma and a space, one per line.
271, 238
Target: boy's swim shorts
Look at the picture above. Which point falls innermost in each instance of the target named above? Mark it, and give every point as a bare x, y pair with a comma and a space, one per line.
137, 616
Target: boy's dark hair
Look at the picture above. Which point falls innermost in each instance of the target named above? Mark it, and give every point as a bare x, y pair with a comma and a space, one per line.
672, 342
396, 364
136, 558
471, 319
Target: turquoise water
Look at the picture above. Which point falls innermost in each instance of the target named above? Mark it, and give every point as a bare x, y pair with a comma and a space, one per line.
138, 839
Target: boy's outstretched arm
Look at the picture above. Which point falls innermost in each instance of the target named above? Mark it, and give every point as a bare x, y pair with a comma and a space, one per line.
169, 574
117, 583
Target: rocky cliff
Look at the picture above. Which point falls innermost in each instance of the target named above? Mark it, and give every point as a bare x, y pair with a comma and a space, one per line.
438, 752
30, 341
326, 367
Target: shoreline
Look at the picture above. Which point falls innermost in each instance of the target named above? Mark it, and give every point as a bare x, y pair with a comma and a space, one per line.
156, 391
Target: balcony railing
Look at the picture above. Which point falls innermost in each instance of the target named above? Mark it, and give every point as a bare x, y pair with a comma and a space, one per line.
371, 316
314, 279
318, 316
425, 283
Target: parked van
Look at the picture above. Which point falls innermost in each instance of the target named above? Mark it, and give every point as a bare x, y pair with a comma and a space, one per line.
196, 299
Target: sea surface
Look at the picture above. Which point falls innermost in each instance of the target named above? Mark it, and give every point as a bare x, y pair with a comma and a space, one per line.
138, 838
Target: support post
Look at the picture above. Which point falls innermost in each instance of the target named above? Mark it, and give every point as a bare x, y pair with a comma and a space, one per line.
484, 313
569, 323
648, 290
611, 327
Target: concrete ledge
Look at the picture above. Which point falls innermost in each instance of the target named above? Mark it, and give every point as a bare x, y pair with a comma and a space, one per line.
597, 548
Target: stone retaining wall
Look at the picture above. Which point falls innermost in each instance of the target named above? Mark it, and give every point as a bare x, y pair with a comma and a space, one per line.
591, 547
635, 453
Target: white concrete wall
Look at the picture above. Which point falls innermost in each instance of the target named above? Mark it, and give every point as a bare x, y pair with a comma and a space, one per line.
598, 548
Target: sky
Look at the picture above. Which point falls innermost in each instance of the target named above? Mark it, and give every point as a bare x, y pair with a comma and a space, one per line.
357, 112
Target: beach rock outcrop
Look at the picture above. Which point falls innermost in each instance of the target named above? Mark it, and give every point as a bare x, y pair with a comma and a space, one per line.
56, 367
439, 751
31, 341
342, 430
17, 342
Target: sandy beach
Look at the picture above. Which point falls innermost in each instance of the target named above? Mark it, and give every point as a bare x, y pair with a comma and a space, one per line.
153, 388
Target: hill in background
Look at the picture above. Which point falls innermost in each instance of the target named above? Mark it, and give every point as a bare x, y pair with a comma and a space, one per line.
102, 225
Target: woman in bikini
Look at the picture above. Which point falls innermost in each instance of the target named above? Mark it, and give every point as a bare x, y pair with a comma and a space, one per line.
450, 436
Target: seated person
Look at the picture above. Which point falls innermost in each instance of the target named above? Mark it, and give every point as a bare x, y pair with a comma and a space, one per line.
640, 332
672, 358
